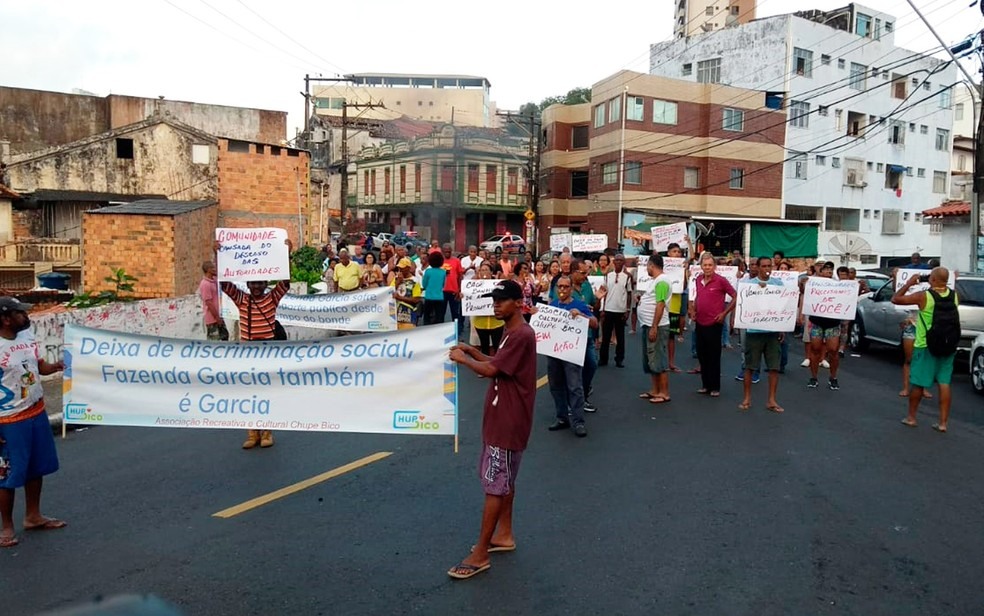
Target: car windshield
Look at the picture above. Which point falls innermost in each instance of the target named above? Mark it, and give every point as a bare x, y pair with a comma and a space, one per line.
494, 238
971, 292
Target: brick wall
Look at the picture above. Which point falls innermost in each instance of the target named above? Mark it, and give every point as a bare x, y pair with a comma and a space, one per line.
141, 244
258, 187
26, 224
194, 236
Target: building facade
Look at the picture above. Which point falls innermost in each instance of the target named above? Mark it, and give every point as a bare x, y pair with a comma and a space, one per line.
870, 125
700, 16
457, 185
965, 116
689, 149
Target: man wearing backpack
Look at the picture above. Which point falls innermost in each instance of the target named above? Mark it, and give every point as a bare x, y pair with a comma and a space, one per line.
937, 336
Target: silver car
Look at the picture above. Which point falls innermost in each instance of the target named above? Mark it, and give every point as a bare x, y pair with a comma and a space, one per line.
977, 364
879, 320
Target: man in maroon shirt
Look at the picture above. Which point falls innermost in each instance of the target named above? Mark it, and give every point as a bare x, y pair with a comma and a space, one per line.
709, 312
506, 423
452, 287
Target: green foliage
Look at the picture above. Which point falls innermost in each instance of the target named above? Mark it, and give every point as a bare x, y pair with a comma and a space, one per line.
121, 280
122, 283
305, 266
576, 96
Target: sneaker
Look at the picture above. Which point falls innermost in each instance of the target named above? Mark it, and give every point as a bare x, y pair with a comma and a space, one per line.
740, 377
833, 384
841, 353
580, 430
825, 364
812, 384
589, 408
558, 425
756, 377
805, 364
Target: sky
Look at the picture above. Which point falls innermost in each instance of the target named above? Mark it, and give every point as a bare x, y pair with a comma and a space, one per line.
255, 53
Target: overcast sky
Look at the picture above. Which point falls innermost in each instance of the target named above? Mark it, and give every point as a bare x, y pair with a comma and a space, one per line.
254, 53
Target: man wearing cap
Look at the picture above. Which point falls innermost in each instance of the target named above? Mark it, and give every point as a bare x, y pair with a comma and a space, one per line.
27, 449
506, 423
565, 378
407, 293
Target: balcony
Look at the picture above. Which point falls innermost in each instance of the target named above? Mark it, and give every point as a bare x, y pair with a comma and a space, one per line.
56, 251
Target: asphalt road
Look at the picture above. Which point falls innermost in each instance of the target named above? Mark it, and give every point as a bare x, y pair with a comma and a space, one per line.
684, 508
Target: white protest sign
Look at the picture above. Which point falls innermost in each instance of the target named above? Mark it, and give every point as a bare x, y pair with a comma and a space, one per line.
560, 336
644, 281
669, 234
728, 272
399, 382
596, 283
560, 241
829, 298
252, 254
673, 267
472, 302
903, 275
770, 308
593, 242
787, 277
359, 311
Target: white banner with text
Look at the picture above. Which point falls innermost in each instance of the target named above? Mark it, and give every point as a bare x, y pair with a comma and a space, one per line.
560, 335
472, 302
665, 235
589, 242
365, 310
829, 298
766, 307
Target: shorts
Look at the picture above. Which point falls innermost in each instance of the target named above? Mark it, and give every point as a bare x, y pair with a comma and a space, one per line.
217, 331
497, 469
674, 324
909, 331
824, 333
758, 346
927, 368
654, 355
29, 451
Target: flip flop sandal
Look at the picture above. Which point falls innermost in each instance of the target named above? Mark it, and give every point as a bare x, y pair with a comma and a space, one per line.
775, 409
659, 400
715, 394
909, 424
499, 548
469, 570
9, 542
939, 428
49, 524
646, 396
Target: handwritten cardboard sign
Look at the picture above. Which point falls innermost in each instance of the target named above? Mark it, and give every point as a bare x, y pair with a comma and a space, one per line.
903, 275
674, 268
644, 281
665, 235
472, 302
787, 277
770, 307
596, 283
831, 299
589, 242
559, 335
560, 241
252, 254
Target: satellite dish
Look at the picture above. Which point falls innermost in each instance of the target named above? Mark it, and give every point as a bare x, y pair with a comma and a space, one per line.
700, 231
849, 246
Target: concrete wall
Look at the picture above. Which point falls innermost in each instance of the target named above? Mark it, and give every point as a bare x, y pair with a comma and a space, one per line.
956, 246
161, 165
219, 120
470, 107
35, 119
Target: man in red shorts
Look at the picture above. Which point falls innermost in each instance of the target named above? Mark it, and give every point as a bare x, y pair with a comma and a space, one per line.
506, 423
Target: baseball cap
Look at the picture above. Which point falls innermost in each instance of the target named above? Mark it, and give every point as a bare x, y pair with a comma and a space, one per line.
404, 262
507, 289
9, 304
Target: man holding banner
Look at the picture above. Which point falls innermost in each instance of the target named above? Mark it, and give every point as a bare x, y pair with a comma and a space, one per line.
506, 424
762, 343
566, 379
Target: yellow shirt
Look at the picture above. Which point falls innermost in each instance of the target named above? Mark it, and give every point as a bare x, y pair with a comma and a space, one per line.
348, 276
486, 322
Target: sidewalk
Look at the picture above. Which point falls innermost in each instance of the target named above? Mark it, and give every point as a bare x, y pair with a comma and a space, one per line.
53, 399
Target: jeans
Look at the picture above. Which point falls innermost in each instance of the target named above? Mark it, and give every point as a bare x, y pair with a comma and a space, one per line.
693, 339
725, 337
709, 355
433, 311
566, 389
613, 322
590, 366
454, 304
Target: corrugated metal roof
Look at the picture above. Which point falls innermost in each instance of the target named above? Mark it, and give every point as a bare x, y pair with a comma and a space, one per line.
45, 194
159, 207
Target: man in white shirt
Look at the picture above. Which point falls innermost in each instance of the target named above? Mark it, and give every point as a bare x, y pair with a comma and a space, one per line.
654, 321
471, 263
618, 303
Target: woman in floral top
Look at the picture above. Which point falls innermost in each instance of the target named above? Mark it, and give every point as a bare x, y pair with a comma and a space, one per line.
531, 288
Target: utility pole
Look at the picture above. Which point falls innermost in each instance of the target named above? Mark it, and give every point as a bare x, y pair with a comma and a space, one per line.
345, 158
307, 101
532, 160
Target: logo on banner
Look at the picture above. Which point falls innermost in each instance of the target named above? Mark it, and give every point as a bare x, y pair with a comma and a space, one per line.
413, 420
374, 325
80, 412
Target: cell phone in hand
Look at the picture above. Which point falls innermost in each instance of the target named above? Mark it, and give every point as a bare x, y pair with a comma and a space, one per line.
924, 278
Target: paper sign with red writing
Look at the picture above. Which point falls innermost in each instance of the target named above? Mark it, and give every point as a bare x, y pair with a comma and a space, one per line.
669, 234
252, 254
787, 277
472, 302
673, 267
766, 306
831, 299
589, 242
560, 335
644, 283
560, 241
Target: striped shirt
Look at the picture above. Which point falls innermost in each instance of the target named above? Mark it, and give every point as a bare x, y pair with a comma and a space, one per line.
256, 314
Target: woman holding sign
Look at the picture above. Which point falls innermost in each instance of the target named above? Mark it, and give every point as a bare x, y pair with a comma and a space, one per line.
824, 340
489, 328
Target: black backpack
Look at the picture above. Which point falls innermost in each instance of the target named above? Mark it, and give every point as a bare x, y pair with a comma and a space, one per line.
944, 336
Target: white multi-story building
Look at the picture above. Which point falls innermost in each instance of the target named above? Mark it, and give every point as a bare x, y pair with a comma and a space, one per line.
869, 130
965, 114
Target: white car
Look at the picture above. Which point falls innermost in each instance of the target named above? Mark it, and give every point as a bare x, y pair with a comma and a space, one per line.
977, 364
379, 238
504, 243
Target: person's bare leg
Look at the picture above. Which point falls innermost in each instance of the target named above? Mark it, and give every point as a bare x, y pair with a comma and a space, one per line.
663, 379
815, 355
833, 356
915, 396
746, 385
671, 350
945, 397
654, 386
772, 404
503, 534
906, 366
7, 513
479, 556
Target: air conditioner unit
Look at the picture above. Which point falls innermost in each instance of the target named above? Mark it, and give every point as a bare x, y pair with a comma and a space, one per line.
855, 177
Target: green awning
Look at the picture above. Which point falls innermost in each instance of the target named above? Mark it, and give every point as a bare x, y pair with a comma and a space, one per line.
792, 240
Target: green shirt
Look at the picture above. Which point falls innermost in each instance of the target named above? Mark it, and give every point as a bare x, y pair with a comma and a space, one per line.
925, 319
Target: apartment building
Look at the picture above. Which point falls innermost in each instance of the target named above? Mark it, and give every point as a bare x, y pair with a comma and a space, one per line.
966, 112
870, 125
699, 16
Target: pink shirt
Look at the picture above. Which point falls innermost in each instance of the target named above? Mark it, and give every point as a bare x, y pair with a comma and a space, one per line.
208, 290
709, 300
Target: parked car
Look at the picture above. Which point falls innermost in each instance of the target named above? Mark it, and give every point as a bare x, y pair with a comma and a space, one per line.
977, 364
878, 318
410, 239
875, 280
504, 243
379, 238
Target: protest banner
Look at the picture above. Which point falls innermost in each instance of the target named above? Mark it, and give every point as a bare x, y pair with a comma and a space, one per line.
665, 235
673, 268
472, 302
787, 277
560, 241
644, 283
903, 275
729, 272
771, 307
596, 283
559, 335
252, 254
359, 311
399, 382
829, 298
589, 242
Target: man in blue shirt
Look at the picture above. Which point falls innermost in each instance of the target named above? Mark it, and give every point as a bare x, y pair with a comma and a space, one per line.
566, 385
761, 343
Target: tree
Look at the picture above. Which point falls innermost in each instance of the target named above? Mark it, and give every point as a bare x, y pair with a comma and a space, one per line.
575, 96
